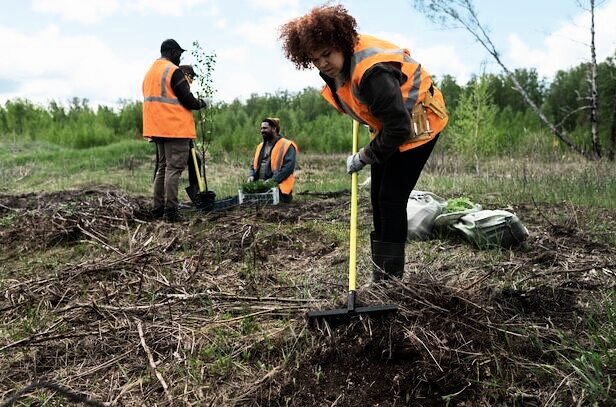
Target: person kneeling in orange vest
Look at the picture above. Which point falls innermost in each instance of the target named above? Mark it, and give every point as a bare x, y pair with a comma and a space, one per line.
275, 159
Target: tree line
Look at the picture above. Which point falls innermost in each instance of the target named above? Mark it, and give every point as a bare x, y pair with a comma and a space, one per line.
463, 14
488, 117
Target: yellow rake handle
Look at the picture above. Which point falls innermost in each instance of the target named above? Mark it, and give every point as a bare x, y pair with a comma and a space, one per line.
197, 172
353, 242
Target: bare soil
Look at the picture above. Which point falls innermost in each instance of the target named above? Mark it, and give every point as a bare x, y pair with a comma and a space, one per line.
114, 306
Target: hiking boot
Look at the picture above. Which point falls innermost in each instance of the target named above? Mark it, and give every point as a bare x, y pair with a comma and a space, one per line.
157, 213
173, 215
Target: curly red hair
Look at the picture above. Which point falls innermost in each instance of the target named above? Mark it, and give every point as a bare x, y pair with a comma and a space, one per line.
324, 26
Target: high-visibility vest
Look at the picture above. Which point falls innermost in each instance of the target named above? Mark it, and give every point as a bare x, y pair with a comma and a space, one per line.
415, 90
276, 158
163, 114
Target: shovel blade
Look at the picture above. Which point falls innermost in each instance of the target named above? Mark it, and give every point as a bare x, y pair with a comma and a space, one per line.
202, 200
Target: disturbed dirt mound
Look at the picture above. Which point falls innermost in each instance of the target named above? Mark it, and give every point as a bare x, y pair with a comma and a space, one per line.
372, 362
361, 365
449, 339
64, 217
136, 312
439, 347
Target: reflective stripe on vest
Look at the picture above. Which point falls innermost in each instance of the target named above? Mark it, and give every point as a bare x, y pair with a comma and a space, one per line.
163, 114
277, 163
368, 52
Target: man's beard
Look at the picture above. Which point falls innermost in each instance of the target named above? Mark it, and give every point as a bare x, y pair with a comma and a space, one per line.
267, 136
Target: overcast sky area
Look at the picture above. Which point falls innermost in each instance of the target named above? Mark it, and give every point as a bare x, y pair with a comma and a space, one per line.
100, 49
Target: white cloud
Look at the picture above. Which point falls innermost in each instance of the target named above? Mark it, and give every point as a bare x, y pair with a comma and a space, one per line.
263, 31
401, 40
221, 23
258, 33
443, 60
177, 8
438, 60
274, 5
61, 67
47, 63
89, 11
569, 45
243, 84
232, 54
233, 81
296, 80
94, 11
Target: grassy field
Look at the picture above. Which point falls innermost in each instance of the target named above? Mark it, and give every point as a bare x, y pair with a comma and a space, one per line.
104, 302
129, 166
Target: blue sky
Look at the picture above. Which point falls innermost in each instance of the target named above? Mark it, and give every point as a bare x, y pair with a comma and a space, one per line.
100, 49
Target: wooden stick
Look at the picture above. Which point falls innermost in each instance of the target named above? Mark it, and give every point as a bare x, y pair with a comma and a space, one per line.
153, 364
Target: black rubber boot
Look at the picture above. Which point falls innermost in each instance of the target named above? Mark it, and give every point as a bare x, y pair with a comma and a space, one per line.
375, 268
388, 260
157, 213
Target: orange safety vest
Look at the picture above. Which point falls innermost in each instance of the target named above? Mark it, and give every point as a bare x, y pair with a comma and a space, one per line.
163, 114
369, 51
277, 156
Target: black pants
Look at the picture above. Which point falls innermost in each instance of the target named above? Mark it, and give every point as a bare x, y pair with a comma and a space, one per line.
391, 186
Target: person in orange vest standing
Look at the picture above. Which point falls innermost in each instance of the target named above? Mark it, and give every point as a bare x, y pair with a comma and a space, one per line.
168, 121
275, 159
382, 86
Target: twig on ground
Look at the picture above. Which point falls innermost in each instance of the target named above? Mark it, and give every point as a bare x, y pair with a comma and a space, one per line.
153, 364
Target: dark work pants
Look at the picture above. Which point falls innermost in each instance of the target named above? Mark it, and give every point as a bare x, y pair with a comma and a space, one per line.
172, 156
391, 184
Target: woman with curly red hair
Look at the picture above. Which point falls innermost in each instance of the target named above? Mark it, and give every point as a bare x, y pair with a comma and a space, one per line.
379, 85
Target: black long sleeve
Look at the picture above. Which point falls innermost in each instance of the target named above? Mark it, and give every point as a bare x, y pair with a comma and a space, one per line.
380, 88
181, 88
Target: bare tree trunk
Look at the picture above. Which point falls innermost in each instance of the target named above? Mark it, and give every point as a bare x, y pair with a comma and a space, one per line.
463, 12
594, 125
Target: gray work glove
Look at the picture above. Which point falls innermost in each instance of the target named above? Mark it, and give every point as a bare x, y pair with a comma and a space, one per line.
356, 162
250, 179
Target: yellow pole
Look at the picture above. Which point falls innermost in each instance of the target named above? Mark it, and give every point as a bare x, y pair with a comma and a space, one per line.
353, 242
197, 172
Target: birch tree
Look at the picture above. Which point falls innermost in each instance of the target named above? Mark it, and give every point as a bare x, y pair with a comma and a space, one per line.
462, 13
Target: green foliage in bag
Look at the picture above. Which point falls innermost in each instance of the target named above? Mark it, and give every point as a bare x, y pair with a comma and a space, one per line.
458, 205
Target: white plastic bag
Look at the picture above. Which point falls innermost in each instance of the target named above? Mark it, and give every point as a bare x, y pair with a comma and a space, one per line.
422, 209
492, 228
